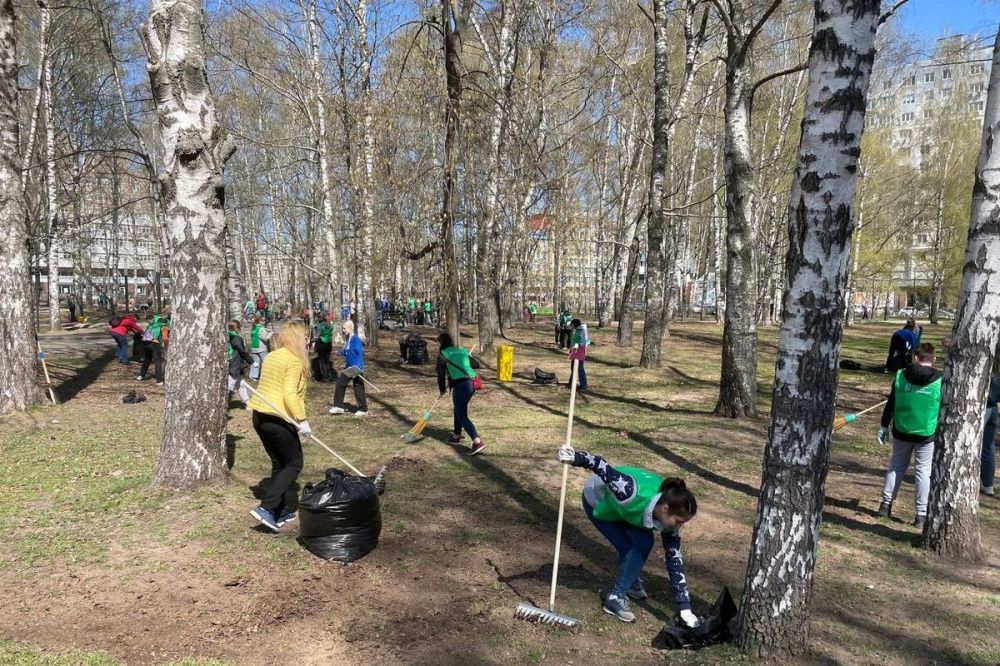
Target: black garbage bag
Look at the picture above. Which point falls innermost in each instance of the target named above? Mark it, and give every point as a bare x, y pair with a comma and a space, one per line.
323, 370
712, 630
416, 351
133, 398
542, 377
339, 517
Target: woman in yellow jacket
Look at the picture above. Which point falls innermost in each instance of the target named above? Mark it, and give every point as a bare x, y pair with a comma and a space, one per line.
283, 383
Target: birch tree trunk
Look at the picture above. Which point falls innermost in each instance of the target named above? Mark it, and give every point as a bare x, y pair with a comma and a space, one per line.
194, 152
18, 389
365, 300
45, 18
329, 231
774, 614
454, 26
51, 200
952, 527
656, 261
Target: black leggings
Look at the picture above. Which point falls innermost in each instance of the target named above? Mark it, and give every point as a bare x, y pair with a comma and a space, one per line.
281, 442
152, 353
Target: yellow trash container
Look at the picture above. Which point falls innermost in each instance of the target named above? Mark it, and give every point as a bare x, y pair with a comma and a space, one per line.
505, 363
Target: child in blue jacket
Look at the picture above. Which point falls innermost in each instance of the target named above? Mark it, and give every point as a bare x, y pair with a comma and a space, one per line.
354, 352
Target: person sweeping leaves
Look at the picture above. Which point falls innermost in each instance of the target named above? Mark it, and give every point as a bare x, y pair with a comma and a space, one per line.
628, 505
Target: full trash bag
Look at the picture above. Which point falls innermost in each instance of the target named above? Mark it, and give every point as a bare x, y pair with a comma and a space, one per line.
340, 517
416, 351
712, 630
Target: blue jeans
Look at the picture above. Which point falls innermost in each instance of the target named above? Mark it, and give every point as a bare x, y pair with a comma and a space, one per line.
258, 358
988, 462
461, 394
122, 342
581, 375
634, 544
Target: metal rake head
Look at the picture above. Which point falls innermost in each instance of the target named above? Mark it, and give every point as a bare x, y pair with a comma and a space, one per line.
537, 615
379, 480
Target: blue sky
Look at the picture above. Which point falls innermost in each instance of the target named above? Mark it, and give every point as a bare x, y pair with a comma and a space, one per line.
930, 19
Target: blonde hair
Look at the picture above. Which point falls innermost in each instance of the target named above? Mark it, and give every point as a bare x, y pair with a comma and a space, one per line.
349, 325
293, 338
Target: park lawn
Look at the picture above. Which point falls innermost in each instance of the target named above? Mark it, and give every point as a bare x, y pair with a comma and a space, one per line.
99, 568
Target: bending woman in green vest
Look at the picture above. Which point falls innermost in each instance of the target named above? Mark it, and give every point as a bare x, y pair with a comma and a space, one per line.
627, 505
455, 364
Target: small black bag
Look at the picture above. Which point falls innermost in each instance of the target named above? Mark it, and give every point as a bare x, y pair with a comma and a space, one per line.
542, 377
340, 517
713, 629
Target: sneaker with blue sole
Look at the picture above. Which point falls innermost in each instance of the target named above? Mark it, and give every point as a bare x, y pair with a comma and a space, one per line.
265, 518
637, 591
287, 517
618, 606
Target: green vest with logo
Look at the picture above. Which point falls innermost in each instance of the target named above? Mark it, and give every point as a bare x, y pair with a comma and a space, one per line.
255, 336
647, 487
326, 332
230, 352
458, 363
916, 407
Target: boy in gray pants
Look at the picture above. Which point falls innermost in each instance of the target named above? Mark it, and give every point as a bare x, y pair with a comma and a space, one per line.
912, 408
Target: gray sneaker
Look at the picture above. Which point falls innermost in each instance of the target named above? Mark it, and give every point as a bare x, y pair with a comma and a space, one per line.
618, 606
885, 509
919, 521
637, 591
987, 490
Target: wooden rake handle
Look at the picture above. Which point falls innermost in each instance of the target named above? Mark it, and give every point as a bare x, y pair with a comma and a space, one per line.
562, 491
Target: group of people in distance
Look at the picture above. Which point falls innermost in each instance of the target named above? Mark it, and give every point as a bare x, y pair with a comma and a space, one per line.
912, 409
153, 340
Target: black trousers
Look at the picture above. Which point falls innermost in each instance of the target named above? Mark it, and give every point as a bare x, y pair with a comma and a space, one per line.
359, 392
152, 353
323, 350
281, 442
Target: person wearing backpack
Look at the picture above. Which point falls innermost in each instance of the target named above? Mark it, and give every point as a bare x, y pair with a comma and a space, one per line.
564, 328
238, 355
578, 352
152, 349
457, 366
259, 335
323, 347
628, 506
912, 409
120, 327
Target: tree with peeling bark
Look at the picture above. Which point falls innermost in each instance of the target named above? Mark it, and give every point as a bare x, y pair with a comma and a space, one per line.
774, 613
738, 383
952, 526
18, 390
194, 151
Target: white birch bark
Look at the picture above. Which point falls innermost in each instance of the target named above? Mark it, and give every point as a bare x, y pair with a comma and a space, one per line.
53, 231
195, 149
44, 23
18, 389
367, 325
774, 614
952, 527
328, 225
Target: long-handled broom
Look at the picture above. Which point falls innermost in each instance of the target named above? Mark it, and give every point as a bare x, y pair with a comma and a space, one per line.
850, 418
533, 613
378, 480
414, 433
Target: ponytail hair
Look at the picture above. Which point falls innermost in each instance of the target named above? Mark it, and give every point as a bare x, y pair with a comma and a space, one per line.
679, 500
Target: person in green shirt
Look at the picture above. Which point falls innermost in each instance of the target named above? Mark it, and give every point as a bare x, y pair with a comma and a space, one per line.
457, 366
628, 505
564, 328
532, 311
324, 346
912, 408
429, 312
259, 336
411, 309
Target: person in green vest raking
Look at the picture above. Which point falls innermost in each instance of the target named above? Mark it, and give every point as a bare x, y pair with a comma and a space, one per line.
237, 355
455, 364
628, 505
324, 346
429, 312
912, 408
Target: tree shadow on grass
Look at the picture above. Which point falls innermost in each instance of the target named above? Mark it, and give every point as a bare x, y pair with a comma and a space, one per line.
231, 441
97, 362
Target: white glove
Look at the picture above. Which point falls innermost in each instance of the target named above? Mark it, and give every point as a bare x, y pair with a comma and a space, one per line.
882, 436
255, 365
304, 429
566, 454
689, 618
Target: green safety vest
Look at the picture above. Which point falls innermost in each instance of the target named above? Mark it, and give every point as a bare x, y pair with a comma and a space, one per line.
647, 487
230, 353
326, 332
411, 303
427, 306
916, 407
459, 365
255, 336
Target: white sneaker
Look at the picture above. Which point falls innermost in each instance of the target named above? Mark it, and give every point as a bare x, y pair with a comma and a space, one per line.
139, 378
359, 414
987, 490
337, 410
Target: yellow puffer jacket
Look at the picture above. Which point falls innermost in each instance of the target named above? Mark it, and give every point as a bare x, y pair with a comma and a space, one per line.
282, 382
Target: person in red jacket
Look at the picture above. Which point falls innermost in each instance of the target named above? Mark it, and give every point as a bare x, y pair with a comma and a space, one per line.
120, 327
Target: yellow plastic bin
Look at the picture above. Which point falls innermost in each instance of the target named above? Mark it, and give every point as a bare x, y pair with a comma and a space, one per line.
505, 363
